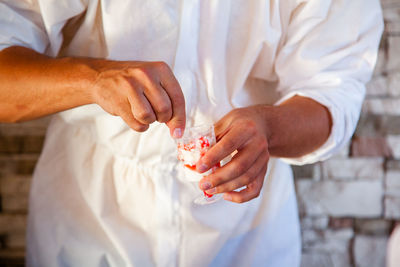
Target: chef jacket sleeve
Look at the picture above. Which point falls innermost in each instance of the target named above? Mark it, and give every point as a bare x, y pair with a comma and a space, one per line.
329, 53
21, 25
36, 25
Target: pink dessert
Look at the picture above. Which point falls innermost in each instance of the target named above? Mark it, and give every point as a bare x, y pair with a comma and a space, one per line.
191, 152
192, 146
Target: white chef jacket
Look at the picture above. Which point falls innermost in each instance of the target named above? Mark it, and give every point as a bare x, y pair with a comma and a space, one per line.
393, 247
105, 195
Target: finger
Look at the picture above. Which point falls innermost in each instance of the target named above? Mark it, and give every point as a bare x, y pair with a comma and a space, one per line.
230, 142
154, 92
238, 166
244, 179
159, 101
178, 120
250, 192
141, 108
126, 115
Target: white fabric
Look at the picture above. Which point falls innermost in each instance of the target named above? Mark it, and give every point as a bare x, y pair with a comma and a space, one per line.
393, 248
104, 195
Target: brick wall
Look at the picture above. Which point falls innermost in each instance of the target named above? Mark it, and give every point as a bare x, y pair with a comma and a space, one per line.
348, 205
20, 146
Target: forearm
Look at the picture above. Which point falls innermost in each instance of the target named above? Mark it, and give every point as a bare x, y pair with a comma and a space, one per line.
296, 127
34, 85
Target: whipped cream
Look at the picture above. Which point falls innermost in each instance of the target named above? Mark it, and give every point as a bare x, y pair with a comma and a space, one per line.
191, 152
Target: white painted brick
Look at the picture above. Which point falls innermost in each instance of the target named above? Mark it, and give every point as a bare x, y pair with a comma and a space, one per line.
391, 14
394, 83
341, 259
353, 168
320, 222
393, 52
389, 3
327, 248
315, 259
392, 207
394, 144
343, 152
328, 259
341, 234
338, 198
392, 19
382, 106
392, 27
392, 183
369, 250
377, 86
327, 241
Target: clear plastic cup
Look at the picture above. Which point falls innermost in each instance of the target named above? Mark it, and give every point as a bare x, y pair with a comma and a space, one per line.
195, 142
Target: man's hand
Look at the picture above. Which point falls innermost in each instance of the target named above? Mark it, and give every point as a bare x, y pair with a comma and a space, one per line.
140, 93
296, 127
242, 130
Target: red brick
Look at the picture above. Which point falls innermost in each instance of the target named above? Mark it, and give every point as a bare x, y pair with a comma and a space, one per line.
21, 144
12, 224
12, 257
337, 223
20, 164
370, 147
15, 241
15, 185
17, 203
33, 127
377, 227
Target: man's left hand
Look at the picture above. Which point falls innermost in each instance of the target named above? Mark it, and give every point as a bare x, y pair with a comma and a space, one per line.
242, 130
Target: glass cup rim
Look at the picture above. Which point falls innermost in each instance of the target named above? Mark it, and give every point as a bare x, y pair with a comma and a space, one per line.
194, 132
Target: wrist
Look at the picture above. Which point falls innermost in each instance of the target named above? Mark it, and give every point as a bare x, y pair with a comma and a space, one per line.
271, 117
81, 76
296, 127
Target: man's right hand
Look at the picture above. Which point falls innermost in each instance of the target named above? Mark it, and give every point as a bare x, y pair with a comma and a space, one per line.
139, 92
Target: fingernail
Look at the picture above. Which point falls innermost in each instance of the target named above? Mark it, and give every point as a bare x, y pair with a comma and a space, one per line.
212, 191
202, 168
227, 197
177, 133
205, 185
